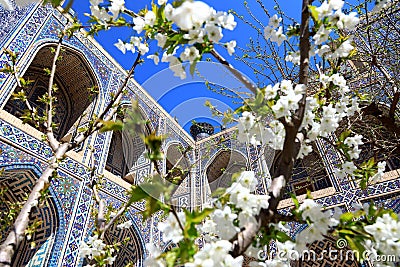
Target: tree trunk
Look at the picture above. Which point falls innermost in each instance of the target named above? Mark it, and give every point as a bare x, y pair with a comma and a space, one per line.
290, 150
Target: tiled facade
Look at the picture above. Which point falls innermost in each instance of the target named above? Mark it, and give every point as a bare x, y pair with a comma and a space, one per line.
23, 154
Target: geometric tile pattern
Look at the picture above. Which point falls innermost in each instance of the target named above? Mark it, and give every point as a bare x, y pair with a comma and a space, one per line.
26, 31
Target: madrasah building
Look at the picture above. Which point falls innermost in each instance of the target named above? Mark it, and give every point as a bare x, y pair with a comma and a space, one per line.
67, 220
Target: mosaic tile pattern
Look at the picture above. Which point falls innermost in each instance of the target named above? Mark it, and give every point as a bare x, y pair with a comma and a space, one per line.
26, 31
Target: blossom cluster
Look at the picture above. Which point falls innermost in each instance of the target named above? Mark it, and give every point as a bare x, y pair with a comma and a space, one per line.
328, 17
270, 32
154, 259
386, 234
216, 254
226, 220
221, 225
283, 99
319, 223
106, 14
200, 24
331, 15
95, 249
243, 206
190, 27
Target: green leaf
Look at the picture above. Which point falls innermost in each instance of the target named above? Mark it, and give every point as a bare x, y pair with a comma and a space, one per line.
171, 257
363, 184
193, 67
355, 245
346, 217
136, 193
152, 206
111, 126
282, 237
314, 12
198, 216
346, 232
175, 37
344, 135
47, 71
295, 200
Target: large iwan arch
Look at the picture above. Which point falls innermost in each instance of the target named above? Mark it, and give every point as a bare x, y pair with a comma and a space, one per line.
18, 182
73, 78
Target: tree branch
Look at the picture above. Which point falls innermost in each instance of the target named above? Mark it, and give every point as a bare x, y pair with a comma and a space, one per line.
54, 144
249, 85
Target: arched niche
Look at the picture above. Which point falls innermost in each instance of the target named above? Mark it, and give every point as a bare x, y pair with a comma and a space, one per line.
176, 162
226, 162
127, 149
132, 251
73, 78
19, 182
380, 142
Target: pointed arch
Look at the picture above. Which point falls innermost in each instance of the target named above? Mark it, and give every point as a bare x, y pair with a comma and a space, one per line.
133, 250
73, 77
127, 149
19, 179
222, 166
176, 163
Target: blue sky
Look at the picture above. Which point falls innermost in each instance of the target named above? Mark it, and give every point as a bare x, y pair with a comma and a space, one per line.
185, 99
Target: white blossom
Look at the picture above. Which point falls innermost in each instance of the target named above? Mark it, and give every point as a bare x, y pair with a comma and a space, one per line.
293, 57
230, 46
324, 10
100, 13
348, 22
224, 222
379, 174
323, 50
116, 7
171, 229
155, 58
143, 48
305, 149
154, 259
278, 36
343, 50
227, 21
139, 24
321, 35
124, 225
349, 167
175, 65
248, 180
336, 4
161, 39
195, 36
150, 18
121, 46
268, 31
191, 14
214, 33
190, 54
274, 21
